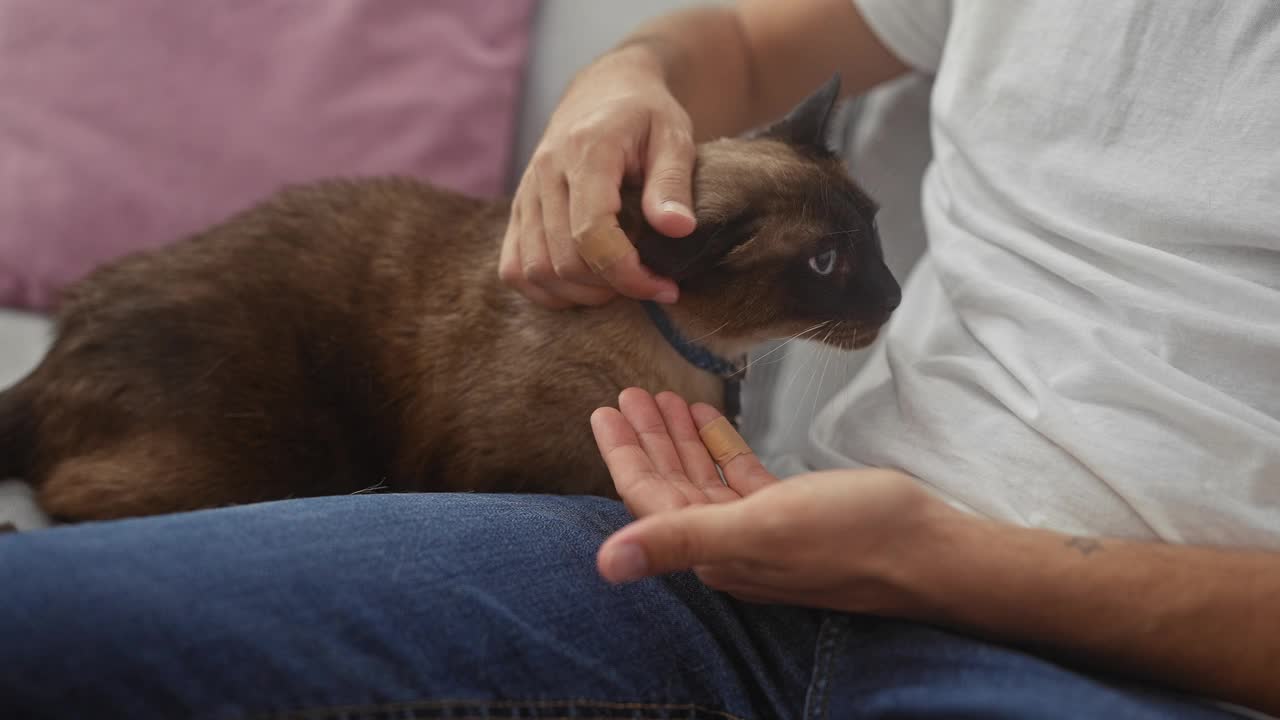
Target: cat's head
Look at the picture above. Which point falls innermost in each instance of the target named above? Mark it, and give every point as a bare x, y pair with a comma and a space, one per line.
786, 241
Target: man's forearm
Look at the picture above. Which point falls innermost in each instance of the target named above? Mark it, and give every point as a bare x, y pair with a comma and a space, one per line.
733, 68
702, 56
1203, 620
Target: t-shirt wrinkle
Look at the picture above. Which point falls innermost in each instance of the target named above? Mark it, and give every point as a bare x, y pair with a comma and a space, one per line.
1091, 342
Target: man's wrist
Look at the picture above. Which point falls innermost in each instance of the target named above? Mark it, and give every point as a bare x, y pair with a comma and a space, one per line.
648, 52
932, 545
632, 61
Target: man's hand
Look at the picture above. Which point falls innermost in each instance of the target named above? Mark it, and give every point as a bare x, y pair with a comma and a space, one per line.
873, 541
700, 73
827, 539
658, 460
563, 245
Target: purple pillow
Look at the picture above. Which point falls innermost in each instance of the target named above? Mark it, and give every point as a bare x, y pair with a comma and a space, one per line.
128, 124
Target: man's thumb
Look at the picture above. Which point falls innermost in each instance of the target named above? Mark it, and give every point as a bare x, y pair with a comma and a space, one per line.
671, 542
668, 194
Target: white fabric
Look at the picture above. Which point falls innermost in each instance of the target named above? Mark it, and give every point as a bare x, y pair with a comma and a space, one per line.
884, 139
18, 507
1092, 341
23, 339
24, 336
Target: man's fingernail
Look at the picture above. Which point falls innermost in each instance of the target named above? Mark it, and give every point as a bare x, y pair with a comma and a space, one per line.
667, 296
680, 208
627, 562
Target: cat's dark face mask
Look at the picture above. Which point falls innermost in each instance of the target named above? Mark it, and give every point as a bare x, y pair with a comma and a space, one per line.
786, 241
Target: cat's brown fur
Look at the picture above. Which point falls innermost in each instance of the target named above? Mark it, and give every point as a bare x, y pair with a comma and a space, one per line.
350, 334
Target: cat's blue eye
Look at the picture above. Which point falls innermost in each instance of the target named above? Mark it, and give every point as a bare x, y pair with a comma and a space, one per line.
823, 264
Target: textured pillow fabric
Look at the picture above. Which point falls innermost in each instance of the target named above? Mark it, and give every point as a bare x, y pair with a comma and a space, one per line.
126, 124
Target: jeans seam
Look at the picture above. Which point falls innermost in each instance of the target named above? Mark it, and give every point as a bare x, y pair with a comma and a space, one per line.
570, 709
818, 696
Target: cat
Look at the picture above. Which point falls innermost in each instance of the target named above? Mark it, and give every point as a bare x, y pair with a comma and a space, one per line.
354, 333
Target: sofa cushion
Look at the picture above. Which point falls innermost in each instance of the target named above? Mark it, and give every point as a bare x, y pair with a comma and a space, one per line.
128, 124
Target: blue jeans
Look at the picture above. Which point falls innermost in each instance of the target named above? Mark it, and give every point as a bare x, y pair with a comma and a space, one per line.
462, 606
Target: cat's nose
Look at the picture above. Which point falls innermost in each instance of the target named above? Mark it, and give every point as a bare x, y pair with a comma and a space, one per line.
893, 296
885, 290
878, 293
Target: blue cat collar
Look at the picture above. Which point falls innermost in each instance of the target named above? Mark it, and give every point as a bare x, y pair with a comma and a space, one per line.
696, 355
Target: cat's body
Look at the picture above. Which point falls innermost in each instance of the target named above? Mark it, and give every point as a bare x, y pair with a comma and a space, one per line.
355, 336
352, 334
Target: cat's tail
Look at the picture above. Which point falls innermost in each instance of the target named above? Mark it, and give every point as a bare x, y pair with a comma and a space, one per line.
17, 431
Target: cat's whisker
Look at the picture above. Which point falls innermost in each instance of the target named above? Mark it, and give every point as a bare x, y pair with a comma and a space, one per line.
380, 485
791, 382
713, 332
813, 361
775, 361
812, 332
782, 358
822, 378
845, 376
744, 310
800, 404
793, 338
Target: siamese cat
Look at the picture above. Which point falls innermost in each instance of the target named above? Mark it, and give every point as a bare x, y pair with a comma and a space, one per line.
349, 334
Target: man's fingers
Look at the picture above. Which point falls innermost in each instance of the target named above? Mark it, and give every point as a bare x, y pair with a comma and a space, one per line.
698, 466
609, 253
742, 469
594, 202
634, 476
565, 260
673, 541
511, 266
542, 284
509, 270
618, 444
668, 194
603, 245
535, 263
639, 408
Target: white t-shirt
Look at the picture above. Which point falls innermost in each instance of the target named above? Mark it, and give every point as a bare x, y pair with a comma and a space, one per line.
1092, 340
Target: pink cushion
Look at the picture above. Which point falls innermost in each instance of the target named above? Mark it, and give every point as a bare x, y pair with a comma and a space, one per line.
130, 123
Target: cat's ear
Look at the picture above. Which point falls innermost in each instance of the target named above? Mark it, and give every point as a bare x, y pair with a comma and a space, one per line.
680, 258
806, 125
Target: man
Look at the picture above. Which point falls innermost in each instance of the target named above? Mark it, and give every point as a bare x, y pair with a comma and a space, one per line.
1091, 345
1077, 398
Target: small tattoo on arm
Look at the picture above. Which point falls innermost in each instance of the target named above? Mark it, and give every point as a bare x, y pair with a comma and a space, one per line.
1086, 546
